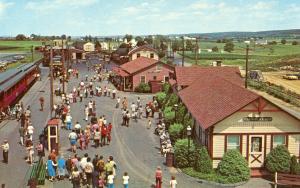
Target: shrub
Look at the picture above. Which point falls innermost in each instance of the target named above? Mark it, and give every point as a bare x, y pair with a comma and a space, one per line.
143, 88
203, 162
234, 167
294, 43
187, 121
173, 99
175, 131
295, 166
169, 115
182, 154
180, 113
278, 160
161, 96
166, 88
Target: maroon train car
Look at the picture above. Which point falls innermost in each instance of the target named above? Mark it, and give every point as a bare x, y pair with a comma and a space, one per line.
15, 82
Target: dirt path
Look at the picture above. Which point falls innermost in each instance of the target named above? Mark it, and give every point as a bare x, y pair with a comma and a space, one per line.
276, 78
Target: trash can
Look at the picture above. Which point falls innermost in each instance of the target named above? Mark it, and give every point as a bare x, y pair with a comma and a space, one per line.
170, 159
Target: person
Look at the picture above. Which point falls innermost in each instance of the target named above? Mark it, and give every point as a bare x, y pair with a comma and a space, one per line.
50, 169
22, 134
82, 140
95, 160
80, 96
114, 165
114, 91
109, 129
125, 180
149, 124
103, 135
97, 137
95, 178
77, 127
173, 182
30, 150
118, 102
69, 167
61, 165
42, 103
69, 121
124, 103
110, 180
138, 101
5, 148
158, 177
88, 169
30, 129
101, 182
73, 140
75, 178
101, 165
40, 150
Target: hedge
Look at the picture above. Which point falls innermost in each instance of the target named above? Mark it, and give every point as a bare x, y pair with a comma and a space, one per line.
169, 115
203, 162
295, 166
175, 131
143, 88
234, 167
161, 97
278, 160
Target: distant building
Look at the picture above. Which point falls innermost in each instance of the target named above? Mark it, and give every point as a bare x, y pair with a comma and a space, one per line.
58, 43
143, 51
261, 42
89, 47
104, 45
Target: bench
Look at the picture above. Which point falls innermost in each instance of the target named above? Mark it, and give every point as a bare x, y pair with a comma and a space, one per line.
286, 179
38, 174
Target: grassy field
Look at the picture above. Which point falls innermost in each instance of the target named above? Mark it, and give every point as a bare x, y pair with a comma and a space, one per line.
260, 57
18, 46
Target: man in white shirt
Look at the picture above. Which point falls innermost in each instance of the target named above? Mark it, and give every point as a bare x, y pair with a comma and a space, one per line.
114, 91
77, 127
73, 140
30, 129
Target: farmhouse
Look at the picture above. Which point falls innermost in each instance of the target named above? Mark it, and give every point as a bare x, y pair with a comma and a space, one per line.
141, 70
143, 51
227, 116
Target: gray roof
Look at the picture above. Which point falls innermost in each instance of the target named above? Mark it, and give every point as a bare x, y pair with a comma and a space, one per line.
11, 76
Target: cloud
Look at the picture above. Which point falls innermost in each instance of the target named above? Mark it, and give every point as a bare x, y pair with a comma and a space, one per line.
4, 5
262, 5
200, 5
131, 10
48, 5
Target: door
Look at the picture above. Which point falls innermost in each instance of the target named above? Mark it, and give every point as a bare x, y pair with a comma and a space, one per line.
256, 153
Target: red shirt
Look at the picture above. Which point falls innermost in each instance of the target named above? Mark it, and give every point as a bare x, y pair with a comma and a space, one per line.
103, 131
109, 127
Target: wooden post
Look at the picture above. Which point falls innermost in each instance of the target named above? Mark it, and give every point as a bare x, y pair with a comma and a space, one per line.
197, 50
63, 65
246, 75
182, 63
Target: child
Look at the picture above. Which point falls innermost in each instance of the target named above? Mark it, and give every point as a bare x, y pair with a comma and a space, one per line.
173, 182
125, 180
101, 182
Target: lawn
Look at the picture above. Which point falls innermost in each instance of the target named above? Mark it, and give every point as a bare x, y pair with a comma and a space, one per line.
18, 46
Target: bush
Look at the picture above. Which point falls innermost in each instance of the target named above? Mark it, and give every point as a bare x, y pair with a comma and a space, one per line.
143, 88
161, 97
166, 88
294, 43
176, 131
181, 112
173, 99
234, 167
206, 176
278, 160
203, 162
295, 166
182, 154
169, 115
187, 121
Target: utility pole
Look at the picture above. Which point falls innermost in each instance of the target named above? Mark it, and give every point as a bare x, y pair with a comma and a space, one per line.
197, 50
32, 53
51, 81
63, 65
182, 63
246, 75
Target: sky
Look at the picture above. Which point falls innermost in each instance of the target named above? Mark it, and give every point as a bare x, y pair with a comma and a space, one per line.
144, 17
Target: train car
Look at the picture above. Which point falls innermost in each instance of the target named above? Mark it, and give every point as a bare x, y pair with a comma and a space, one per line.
15, 82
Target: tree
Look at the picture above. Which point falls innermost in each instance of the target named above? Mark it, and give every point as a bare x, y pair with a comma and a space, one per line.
283, 41
20, 37
176, 131
219, 41
63, 37
123, 45
86, 38
278, 160
140, 43
90, 38
295, 166
138, 38
189, 45
160, 96
149, 39
69, 38
229, 46
98, 46
169, 115
215, 49
294, 43
234, 167
176, 45
128, 37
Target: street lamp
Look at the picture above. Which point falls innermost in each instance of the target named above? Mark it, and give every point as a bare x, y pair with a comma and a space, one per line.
176, 109
189, 133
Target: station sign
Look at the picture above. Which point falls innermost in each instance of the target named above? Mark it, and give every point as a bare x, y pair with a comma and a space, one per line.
257, 119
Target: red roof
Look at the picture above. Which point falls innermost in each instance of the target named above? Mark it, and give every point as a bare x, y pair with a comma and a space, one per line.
53, 122
187, 75
142, 48
137, 64
211, 99
119, 71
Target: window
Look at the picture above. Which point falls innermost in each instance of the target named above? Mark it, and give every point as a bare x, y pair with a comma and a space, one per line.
138, 55
166, 78
278, 140
233, 142
143, 79
256, 144
152, 55
154, 77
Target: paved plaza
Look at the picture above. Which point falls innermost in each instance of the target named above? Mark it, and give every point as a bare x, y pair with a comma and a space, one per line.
135, 148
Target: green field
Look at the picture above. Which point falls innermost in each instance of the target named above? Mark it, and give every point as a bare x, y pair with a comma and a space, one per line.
18, 46
261, 57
